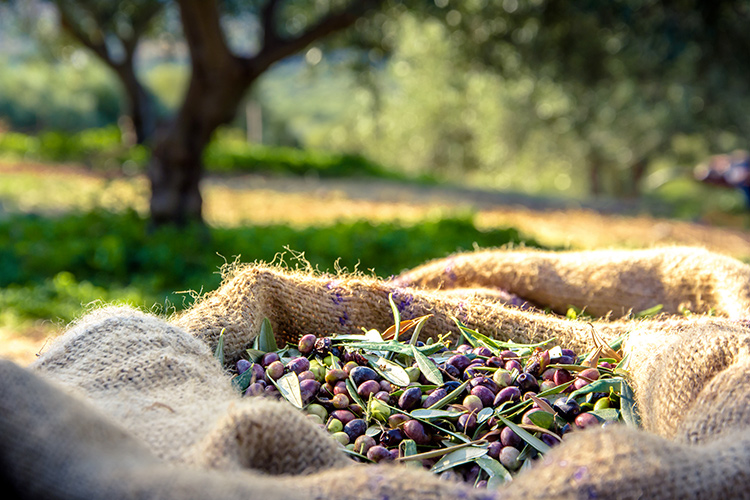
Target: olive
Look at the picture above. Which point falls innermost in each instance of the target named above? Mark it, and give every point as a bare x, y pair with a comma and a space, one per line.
562, 377
243, 365
473, 403
410, 398
513, 365
397, 419
323, 346
567, 408
306, 343
336, 374
355, 428
467, 422
509, 438
511, 393
306, 375
509, 458
316, 409
391, 437
383, 396
527, 383
434, 397
586, 377
269, 358
340, 401
344, 415
494, 362
298, 365
482, 351
367, 388
258, 372
451, 385
463, 348
308, 388
502, 378
459, 361
493, 450
415, 430
360, 374
275, 370
451, 370
379, 453
341, 437
585, 420
255, 389
363, 444
335, 425
484, 394
506, 355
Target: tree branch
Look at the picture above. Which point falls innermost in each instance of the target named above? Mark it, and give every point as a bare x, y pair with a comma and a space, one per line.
279, 49
97, 47
268, 21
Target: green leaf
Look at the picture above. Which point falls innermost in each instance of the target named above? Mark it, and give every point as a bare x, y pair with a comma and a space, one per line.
242, 381
651, 311
427, 367
427, 413
542, 419
396, 314
450, 396
602, 385
266, 340
532, 440
353, 392
409, 447
418, 330
288, 386
255, 354
484, 414
497, 473
397, 347
628, 407
458, 457
607, 414
392, 372
219, 352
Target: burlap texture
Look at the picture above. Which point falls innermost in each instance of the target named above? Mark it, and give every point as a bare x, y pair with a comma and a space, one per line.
127, 405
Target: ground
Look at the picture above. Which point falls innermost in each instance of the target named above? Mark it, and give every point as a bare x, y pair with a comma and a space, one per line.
253, 199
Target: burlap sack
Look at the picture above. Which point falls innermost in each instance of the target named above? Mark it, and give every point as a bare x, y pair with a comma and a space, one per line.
128, 405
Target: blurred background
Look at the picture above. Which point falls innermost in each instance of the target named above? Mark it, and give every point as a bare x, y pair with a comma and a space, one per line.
144, 144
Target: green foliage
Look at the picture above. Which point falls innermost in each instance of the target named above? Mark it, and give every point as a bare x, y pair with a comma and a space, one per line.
109, 256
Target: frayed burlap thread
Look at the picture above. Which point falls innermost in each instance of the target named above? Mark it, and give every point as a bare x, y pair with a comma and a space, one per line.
126, 405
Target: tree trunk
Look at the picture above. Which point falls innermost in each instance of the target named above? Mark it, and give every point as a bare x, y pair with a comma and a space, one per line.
176, 166
141, 108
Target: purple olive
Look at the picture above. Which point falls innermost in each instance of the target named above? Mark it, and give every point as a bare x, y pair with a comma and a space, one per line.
298, 365
511, 393
508, 355
494, 362
585, 420
410, 398
527, 383
467, 422
306, 375
463, 348
355, 428
513, 365
308, 388
567, 408
486, 382
255, 389
368, 387
383, 396
336, 374
379, 454
562, 377
269, 358
360, 374
415, 430
344, 415
391, 437
549, 440
397, 419
484, 394
340, 388
306, 343
482, 351
585, 377
363, 444
493, 450
509, 438
451, 370
243, 365
258, 372
434, 397
386, 386
459, 361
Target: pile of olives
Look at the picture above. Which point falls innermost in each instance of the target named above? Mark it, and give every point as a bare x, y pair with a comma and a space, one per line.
476, 412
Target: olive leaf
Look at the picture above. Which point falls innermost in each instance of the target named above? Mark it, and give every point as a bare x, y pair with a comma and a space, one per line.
458, 457
265, 340
288, 386
450, 396
353, 392
242, 381
427, 413
607, 414
254, 354
628, 407
601, 385
219, 351
532, 440
427, 367
485, 414
392, 372
497, 473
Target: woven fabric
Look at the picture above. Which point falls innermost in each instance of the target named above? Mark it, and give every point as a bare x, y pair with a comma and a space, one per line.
126, 404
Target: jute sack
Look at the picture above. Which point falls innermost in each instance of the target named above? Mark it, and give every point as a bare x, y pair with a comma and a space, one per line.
128, 405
